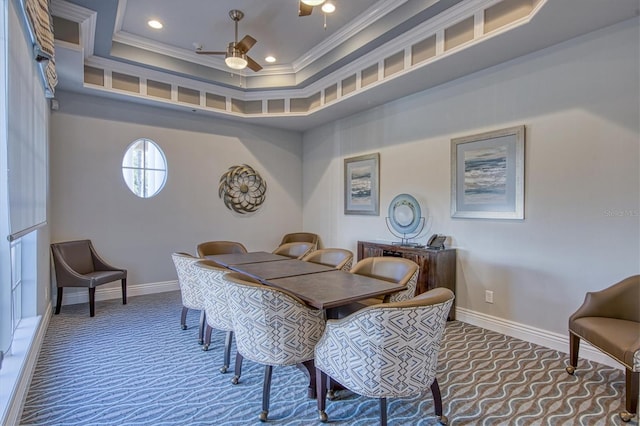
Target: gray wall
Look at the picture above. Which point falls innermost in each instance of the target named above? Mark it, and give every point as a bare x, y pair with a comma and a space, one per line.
89, 198
579, 102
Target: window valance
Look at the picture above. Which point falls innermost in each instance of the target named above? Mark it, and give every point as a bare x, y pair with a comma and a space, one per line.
41, 27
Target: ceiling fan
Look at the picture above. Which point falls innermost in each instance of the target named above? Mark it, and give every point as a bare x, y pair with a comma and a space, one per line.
236, 54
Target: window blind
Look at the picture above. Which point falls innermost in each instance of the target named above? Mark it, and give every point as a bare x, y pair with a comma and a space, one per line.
27, 121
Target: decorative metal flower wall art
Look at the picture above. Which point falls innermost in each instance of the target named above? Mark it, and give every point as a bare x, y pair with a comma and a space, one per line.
242, 189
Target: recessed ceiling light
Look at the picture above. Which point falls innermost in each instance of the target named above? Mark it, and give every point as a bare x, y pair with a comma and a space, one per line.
328, 7
270, 59
155, 24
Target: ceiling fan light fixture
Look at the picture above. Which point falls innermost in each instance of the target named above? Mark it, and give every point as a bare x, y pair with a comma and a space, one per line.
313, 2
236, 60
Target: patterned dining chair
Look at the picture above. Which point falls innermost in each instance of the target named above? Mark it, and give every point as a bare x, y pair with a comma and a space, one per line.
218, 314
338, 258
272, 328
389, 350
190, 290
211, 248
295, 250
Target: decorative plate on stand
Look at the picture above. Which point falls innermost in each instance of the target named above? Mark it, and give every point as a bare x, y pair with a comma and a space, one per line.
405, 214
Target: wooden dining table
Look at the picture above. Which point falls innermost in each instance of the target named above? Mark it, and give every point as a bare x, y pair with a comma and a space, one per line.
230, 259
319, 286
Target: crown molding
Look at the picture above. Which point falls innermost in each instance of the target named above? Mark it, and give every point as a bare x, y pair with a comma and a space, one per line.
86, 18
371, 15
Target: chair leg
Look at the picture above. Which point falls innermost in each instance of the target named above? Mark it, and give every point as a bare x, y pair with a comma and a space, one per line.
92, 301
266, 393
183, 318
437, 402
59, 300
124, 291
207, 337
574, 348
227, 352
203, 318
631, 395
321, 394
383, 411
309, 368
238, 369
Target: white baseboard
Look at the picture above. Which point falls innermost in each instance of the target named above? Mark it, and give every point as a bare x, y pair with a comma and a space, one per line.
71, 296
18, 368
530, 334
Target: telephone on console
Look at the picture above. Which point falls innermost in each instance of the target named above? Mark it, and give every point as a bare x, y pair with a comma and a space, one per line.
436, 241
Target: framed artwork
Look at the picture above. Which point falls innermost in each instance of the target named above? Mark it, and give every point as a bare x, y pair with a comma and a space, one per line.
362, 185
487, 175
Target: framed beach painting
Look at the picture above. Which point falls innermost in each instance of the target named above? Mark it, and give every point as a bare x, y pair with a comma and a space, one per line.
487, 175
362, 185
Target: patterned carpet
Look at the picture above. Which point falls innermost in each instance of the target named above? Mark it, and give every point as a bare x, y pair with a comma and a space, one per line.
133, 365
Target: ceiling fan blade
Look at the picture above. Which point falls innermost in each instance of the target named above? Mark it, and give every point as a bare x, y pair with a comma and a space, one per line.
253, 65
304, 9
209, 52
246, 43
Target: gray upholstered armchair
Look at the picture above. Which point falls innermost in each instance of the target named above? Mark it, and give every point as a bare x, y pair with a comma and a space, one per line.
610, 321
386, 350
77, 264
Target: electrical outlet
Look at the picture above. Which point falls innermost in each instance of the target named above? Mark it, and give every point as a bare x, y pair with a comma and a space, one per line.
488, 296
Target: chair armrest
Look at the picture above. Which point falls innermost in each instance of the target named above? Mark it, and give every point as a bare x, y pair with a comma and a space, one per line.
65, 274
618, 301
100, 264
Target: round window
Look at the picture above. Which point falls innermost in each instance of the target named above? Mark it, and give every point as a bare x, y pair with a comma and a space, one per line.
144, 168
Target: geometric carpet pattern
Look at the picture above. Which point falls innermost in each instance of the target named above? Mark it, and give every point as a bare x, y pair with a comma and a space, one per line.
133, 365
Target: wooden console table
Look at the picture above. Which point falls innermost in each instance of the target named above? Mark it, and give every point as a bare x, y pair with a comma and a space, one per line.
437, 267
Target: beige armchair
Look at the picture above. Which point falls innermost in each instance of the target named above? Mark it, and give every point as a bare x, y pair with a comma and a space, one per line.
272, 327
302, 237
211, 248
338, 258
294, 250
393, 269
77, 264
389, 350
610, 321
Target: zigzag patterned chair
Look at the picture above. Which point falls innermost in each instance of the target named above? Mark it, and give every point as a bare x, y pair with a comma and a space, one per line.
217, 311
190, 290
338, 258
272, 327
386, 350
